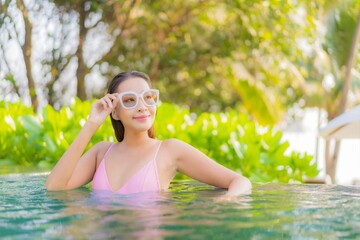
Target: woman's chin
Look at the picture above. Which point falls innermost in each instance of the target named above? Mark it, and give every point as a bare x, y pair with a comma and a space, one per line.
143, 127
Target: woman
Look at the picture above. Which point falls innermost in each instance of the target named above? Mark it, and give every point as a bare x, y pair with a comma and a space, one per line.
138, 162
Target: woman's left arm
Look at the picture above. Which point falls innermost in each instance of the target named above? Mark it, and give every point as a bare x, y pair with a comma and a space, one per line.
197, 165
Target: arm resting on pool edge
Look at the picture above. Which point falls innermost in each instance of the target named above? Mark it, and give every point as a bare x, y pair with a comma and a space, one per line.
197, 165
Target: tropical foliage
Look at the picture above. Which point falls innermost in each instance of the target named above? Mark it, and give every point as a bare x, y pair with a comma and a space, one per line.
247, 54
229, 138
262, 58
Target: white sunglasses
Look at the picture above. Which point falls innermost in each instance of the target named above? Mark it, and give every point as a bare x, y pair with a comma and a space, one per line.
130, 100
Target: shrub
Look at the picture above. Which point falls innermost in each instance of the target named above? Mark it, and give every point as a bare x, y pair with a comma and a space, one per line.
230, 138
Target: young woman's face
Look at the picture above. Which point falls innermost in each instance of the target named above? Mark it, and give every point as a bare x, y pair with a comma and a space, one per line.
141, 117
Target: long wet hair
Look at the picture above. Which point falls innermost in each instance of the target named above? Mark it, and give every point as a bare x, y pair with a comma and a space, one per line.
113, 86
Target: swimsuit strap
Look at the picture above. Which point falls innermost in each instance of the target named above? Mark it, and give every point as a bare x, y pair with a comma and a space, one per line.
156, 166
108, 150
157, 150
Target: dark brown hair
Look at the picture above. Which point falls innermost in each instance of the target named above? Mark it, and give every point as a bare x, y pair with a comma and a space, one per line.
113, 86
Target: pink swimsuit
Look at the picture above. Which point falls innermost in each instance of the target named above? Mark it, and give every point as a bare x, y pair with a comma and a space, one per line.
146, 179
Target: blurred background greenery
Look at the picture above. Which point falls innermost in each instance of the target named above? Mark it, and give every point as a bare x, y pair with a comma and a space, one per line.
249, 62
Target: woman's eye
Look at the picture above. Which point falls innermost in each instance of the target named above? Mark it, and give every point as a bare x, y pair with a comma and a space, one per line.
129, 100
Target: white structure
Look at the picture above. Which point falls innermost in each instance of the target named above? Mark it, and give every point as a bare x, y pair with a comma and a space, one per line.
344, 126
305, 137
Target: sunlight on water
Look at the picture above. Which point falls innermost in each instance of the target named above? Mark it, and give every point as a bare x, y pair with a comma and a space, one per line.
189, 210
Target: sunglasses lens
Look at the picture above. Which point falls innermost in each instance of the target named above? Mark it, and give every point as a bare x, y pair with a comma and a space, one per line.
151, 97
129, 100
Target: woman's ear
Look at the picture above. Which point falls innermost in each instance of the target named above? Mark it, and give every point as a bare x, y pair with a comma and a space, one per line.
115, 115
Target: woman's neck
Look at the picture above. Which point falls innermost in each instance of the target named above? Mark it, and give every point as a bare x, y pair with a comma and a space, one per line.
136, 139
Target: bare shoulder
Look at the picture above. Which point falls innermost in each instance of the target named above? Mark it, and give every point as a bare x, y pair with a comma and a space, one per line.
100, 149
103, 144
175, 147
174, 144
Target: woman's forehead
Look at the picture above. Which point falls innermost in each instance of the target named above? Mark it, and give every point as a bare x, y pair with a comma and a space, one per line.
133, 84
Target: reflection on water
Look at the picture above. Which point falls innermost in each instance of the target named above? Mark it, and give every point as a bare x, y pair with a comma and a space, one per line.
189, 210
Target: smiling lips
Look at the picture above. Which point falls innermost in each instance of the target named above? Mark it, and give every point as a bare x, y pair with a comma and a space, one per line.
142, 117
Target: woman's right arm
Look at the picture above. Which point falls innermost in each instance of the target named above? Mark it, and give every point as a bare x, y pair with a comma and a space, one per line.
74, 170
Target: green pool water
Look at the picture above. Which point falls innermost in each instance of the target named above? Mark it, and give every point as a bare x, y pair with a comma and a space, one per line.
190, 210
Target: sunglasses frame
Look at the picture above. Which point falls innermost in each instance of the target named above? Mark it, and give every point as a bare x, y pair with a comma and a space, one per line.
140, 95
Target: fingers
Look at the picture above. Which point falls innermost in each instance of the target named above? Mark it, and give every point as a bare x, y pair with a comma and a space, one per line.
114, 99
109, 101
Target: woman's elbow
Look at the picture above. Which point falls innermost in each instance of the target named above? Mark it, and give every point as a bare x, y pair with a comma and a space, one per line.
49, 185
52, 186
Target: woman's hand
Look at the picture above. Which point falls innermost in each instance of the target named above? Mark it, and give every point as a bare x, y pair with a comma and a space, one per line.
102, 108
244, 201
239, 185
75, 169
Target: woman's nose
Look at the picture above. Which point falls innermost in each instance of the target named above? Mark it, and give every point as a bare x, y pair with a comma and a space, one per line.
141, 105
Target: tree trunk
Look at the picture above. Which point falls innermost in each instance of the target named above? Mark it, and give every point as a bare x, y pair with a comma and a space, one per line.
81, 68
26, 50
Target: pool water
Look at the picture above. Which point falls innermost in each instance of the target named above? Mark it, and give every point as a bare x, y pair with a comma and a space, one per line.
190, 210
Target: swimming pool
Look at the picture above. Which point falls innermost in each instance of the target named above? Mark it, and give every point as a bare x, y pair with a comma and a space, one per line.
189, 210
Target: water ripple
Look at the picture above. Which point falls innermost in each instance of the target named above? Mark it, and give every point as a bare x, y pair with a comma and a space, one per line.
189, 208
